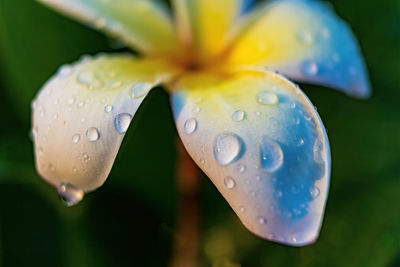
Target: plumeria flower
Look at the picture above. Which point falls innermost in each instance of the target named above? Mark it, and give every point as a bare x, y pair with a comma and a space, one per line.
253, 132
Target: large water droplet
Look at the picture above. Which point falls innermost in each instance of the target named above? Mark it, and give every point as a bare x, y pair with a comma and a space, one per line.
271, 154
190, 125
64, 70
70, 194
121, 122
238, 115
140, 89
92, 134
309, 68
227, 148
267, 98
229, 182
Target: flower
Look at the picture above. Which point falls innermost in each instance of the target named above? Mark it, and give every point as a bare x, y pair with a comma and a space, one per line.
253, 132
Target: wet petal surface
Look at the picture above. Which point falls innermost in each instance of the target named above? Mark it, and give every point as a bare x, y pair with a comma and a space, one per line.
261, 142
80, 117
307, 42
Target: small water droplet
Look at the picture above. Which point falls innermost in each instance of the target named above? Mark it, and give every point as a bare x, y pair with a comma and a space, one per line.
267, 98
229, 182
196, 109
305, 37
86, 157
271, 154
258, 178
293, 105
40, 151
202, 161
227, 148
71, 100
242, 209
108, 108
261, 220
241, 168
89, 79
190, 126
238, 115
76, 138
52, 168
70, 194
278, 193
309, 68
314, 192
140, 89
318, 152
258, 113
121, 122
299, 141
83, 119
65, 71
80, 104
92, 134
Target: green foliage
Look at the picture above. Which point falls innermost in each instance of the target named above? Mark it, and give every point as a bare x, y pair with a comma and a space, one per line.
130, 221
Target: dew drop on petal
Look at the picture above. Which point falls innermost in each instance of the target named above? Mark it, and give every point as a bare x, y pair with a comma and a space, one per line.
229, 182
70, 194
318, 152
241, 168
92, 134
190, 126
227, 148
238, 115
108, 108
314, 192
140, 89
309, 68
271, 154
267, 98
76, 138
261, 220
121, 122
305, 37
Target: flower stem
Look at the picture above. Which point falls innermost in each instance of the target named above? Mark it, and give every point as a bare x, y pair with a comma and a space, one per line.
187, 234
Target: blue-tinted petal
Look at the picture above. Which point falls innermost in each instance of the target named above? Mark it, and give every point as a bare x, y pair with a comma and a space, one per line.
263, 145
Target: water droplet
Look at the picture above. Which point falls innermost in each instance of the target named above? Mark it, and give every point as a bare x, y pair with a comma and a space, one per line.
242, 209
314, 192
121, 122
258, 178
299, 141
278, 193
65, 71
108, 108
83, 119
80, 104
114, 84
76, 138
89, 79
86, 157
309, 68
261, 220
293, 105
202, 161
241, 168
229, 182
70, 194
196, 109
271, 154
52, 168
326, 33
92, 134
238, 115
40, 151
318, 152
305, 37
267, 98
227, 148
190, 125
258, 113
71, 100
55, 116
140, 89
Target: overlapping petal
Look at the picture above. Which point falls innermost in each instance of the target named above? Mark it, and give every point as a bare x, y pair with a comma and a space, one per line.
205, 24
263, 145
81, 115
306, 41
144, 25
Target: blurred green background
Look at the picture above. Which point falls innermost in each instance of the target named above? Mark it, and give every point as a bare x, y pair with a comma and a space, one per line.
131, 220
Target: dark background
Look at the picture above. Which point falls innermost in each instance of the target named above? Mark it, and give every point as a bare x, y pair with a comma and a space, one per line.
130, 221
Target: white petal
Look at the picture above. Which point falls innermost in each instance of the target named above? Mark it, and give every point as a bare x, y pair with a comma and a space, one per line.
80, 117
